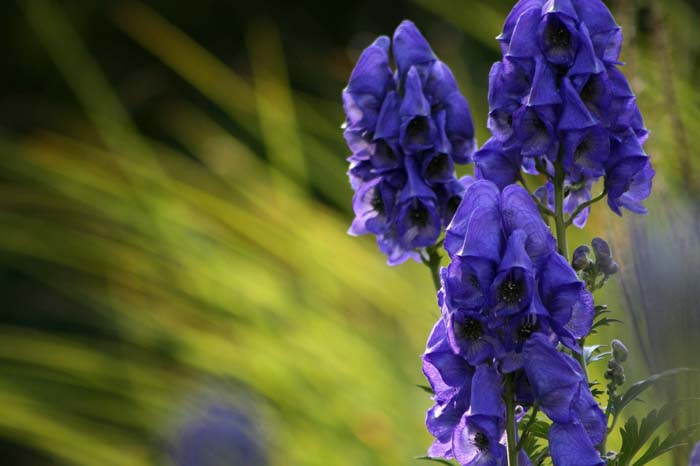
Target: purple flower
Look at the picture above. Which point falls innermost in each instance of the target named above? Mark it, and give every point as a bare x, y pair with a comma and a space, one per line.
562, 393
476, 442
695, 456
218, 432
558, 95
406, 130
508, 299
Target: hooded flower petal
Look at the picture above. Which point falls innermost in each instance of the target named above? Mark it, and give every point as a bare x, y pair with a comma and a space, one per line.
520, 212
410, 48
486, 396
569, 445
554, 381
476, 227
369, 82
498, 164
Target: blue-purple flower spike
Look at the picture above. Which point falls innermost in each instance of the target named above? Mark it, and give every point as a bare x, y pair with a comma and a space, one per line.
406, 129
559, 96
508, 299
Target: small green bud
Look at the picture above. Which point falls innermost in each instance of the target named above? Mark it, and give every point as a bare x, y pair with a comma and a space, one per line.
581, 259
619, 351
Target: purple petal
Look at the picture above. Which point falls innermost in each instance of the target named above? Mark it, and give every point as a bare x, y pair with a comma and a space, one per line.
476, 227
520, 212
555, 383
569, 445
410, 47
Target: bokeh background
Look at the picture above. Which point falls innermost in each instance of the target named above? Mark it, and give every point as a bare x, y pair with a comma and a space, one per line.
178, 287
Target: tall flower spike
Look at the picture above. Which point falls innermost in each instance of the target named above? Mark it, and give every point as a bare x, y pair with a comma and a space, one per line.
558, 96
406, 130
508, 299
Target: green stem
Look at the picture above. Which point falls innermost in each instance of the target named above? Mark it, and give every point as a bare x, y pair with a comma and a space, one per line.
602, 447
561, 225
559, 220
526, 429
433, 263
511, 425
583, 206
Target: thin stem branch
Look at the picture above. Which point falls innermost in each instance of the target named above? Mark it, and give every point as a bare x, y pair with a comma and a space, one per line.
433, 263
543, 208
526, 429
559, 208
511, 425
583, 206
561, 226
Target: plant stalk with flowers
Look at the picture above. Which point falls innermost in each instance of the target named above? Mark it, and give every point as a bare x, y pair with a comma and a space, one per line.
507, 361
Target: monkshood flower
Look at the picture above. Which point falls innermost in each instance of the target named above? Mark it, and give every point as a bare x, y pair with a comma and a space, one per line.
507, 299
406, 129
695, 456
558, 97
217, 432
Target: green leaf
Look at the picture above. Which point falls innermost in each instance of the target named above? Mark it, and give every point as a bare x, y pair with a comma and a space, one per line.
426, 389
604, 322
589, 353
539, 429
535, 451
434, 460
636, 434
640, 387
672, 441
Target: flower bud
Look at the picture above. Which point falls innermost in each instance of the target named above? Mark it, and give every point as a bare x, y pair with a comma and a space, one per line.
581, 259
603, 257
619, 351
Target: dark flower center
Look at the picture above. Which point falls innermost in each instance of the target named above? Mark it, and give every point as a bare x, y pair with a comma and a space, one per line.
481, 441
383, 153
473, 280
418, 131
437, 167
526, 330
538, 124
471, 329
592, 94
511, 291
419, 216
557, 35
582, 149
377, 202
452, 205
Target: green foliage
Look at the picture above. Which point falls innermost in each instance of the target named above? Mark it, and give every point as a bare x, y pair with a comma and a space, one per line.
592, 353
434, 460
636, 434
635, 390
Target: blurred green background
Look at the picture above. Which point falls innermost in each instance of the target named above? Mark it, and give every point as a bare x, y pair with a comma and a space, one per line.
173, 254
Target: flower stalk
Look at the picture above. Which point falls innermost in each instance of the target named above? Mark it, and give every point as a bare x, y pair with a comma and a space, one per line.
511, 424
432, 261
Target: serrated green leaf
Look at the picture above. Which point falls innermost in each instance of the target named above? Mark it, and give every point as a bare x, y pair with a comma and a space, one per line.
636, 434
672, 441
640, 387
604, 321
434, 460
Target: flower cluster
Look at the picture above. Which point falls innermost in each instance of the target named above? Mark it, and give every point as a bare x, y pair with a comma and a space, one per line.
558, 97
406, 130
508, 300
